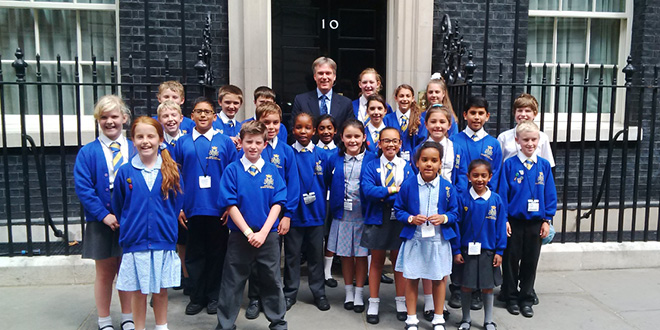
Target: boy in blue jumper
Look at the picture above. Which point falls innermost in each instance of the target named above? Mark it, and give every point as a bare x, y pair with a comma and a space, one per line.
263, 94
202, 157
527, 188
230, 99
253, 193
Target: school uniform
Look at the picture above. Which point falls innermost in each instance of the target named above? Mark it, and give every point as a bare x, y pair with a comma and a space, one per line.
421, 256
381, 230
148, 228
254, 195
480, 145
226, 126
307, 222
510, 148
94, 176
373, 136
202, 159
187, 125
530, 197
281, 135
454, 168
329, 146
360, 109
482, 219
409, 143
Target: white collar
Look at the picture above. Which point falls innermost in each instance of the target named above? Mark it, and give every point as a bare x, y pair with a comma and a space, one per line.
137, 163
363, 101
480, 133
397, 161
359, 156
226, 119
399, 114
373, 128
246, 163
169, 138
434, 183
273, 142
476, 196
523, 158
208, 135
328, 95
299, 147
330, 145
106, 140
442, 142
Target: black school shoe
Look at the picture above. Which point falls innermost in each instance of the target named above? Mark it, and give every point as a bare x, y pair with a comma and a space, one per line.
527, 311
455, 299
253, 309
386, 279
513, 308
428, 315
289, 302
322, 303
331, 282
476, 303
192, 308
401, 316
372, 319
212, 307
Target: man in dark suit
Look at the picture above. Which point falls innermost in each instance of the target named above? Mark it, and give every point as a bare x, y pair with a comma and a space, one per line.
323, 100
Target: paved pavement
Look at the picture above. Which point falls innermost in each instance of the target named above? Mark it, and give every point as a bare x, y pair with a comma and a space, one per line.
599, 299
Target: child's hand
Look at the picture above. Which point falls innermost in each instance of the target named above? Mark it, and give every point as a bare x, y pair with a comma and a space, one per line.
237, 142
458, 259
497, 260
111, 221
545, 229
437, 219
419, 220
225, 218
284, 226
183, 220
508, 229
257, 239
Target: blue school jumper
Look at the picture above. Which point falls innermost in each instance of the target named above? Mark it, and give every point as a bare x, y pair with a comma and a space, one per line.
187, 125
226, 128
408, 143
313, 174
376, 195
197, 159
487, 148
91, 178
282, 157
460, 168
281, 135
481, 220
148, 222
356, 109
253, 195
407, 204
338, 183
518, 185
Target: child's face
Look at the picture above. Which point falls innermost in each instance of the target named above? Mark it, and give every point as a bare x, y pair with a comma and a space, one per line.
376, 111
326, 131
368, 84
262, 99
476, 117
479, 177
434, 94
272, 122
390, 143
230, 104
353, 140
111, 123
146, 140
253, 145
169, 94
203, 114
528, 142
438, 126
171, 120
524, 113
303, 130
404, 98
429, 163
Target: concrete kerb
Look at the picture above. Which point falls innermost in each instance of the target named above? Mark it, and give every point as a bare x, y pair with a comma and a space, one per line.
50, 270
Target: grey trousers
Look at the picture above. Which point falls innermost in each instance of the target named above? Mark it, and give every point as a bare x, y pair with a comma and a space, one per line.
312, 239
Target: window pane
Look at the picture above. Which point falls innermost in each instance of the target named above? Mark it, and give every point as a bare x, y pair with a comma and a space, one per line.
578, 77
606, 98
544, 4
571, 40
604, 41
576, 5
617, 6
98, 35
103, 76
17, 32
537, 91
57, 34
539, 40
49, 92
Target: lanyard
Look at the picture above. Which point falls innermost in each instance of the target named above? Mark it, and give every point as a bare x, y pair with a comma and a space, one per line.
347, 177
469, 216
300, 174
528, 178
204, 169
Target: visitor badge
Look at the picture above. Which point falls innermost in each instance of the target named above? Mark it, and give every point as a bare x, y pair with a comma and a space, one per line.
474, 248
205, 182
392, 215
309, 198
532, 205
428, 230
348, 204
405, 155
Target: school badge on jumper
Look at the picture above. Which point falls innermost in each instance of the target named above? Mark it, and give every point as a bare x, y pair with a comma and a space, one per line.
214, 153
448, 192
519, 176
457, 162
318, 169
269, 182
540, 179
488, 153
275, 160
492, 213
184, 131
465, 208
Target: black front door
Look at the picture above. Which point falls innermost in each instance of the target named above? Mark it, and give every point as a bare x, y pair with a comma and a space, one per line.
351, 32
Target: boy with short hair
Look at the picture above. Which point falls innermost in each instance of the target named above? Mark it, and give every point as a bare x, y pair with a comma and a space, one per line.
253, 193
230, 99
528, 191
173, 90
170, 117
263, 94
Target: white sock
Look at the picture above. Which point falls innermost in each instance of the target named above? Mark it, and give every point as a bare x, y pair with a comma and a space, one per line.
161, 327
428, 302
349, 292
373, 306
327, 267
358, 296
368, 265
127, 317
438, 319
412, 319
400, 303
105, 321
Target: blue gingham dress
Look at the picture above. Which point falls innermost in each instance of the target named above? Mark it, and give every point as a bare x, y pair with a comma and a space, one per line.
346, 233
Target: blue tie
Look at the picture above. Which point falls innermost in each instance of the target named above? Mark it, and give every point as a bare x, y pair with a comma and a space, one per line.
324, 107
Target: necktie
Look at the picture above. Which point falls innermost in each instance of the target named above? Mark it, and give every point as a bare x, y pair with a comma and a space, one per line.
404, 123
529, 164
367, 121
231, 123
326, 148
389, 175
474, 137
377, 136
324, 107
253, 170
117, 158
304, 150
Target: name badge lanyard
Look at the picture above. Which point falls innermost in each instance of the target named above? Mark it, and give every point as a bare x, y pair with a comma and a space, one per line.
529, 178
428, 231
307, 188
347, 177
205, 169
471, 226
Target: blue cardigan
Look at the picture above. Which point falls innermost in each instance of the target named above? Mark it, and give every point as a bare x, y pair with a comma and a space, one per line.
147, 221
91, 178
377, 197
337, 185
481, 221
407, 204
515, 189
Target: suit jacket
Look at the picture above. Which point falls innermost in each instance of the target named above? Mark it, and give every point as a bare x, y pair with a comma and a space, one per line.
340, 107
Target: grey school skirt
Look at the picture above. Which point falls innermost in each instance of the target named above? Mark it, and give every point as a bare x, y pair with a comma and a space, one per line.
382, 237
477, 272
100, 242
